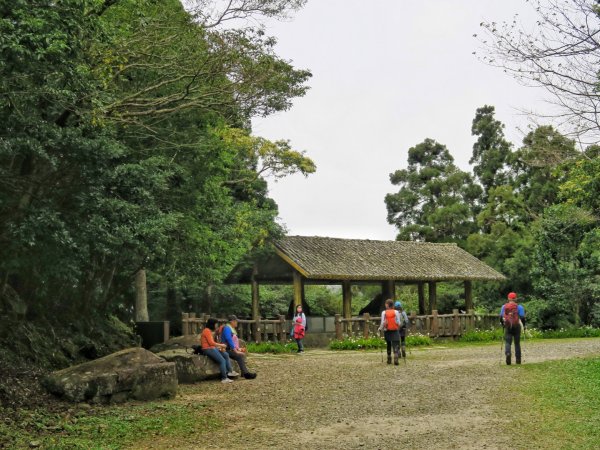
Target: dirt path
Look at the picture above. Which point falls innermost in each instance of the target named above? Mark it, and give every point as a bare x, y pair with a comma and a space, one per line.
442, 398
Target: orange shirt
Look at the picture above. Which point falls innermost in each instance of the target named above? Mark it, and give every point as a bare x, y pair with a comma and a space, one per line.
207, 340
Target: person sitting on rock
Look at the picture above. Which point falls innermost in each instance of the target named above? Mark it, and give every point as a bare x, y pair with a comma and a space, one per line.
216, 351
229, 337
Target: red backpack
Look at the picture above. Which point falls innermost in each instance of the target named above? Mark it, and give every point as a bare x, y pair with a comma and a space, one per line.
511, 315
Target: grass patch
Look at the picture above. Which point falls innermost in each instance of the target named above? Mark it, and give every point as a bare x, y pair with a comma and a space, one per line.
272, 347
557, 405
106, 427
376, 342
497, 334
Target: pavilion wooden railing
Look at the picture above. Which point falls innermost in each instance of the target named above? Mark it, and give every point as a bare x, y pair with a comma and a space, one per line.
434, 325
249, 330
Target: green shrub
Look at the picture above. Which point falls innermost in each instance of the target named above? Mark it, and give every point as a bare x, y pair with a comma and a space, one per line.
494, 334
375, 342
417, 339
582, 332
271, 347
497, 334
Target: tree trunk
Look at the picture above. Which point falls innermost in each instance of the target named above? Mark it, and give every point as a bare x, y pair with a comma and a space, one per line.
141, 297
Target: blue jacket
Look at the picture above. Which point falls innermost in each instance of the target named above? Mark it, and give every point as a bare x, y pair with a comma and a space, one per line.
520, 309
227, 337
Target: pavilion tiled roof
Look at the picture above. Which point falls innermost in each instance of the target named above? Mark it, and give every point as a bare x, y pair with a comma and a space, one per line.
326, 258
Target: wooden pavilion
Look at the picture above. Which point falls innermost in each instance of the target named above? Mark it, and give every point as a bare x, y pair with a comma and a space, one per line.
305, 260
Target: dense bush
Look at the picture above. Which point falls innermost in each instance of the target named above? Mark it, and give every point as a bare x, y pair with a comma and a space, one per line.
353, 343
497, 334
271, 347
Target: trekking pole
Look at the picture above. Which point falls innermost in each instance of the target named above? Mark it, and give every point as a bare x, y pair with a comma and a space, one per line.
380, 347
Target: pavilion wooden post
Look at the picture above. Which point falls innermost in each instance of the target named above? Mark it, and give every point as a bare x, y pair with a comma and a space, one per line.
388, 290
468, 295
421, 291
255, 308
297, 290
346, 299
432, 297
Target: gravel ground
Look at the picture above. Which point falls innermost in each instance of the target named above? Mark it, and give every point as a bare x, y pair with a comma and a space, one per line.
442, 398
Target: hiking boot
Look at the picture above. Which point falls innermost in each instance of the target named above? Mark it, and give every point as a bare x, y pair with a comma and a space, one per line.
233, 374
403, 353
249, 375
226, 380
508, 360
518, 361
389, 360
396, 360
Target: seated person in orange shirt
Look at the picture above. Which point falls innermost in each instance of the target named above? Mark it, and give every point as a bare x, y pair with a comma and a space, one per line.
216, 351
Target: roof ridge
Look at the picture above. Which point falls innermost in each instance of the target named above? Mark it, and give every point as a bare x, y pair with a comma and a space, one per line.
452, 244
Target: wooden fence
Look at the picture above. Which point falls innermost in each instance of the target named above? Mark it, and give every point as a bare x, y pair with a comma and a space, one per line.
248, 330
434, 325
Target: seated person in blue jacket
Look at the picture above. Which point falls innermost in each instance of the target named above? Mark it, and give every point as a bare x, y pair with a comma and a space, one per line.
229, 337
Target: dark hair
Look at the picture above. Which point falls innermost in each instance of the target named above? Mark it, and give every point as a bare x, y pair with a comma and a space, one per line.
389, 303
211, 324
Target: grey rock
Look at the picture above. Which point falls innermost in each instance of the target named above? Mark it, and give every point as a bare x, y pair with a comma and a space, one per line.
192, 368
133, 373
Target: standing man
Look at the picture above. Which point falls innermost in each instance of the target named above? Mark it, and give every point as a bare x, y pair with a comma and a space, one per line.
229, 337
512, 317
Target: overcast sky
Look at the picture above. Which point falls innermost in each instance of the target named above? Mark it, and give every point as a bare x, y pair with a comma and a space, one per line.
386, 75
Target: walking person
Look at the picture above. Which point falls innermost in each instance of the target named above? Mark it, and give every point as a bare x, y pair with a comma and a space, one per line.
299, 327
390, 324
216, 351
403, 326
512, 317
229, 337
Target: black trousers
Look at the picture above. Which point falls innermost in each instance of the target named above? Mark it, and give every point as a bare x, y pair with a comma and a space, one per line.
392, 339
511, 333
240, 359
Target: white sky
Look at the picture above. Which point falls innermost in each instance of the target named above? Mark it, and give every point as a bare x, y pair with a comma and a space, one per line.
386, 75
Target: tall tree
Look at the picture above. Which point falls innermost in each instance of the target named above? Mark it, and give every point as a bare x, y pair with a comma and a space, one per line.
559, 52
540, 166
436, 200
491, 150
114, 152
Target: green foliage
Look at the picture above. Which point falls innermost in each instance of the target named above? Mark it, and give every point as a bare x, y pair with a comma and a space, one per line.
491, 150
565, 265
435, 201
558, 403
375, 342
271, 347
497, 334
494, 334
125, 144
111, 427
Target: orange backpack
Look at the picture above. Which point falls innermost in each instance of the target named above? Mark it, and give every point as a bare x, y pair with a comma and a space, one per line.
390, 320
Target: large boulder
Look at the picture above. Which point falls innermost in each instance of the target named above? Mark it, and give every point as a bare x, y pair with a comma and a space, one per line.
134, 373
177, 343
192, 368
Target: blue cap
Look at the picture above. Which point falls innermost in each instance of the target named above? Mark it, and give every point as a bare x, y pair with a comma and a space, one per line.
397, 305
